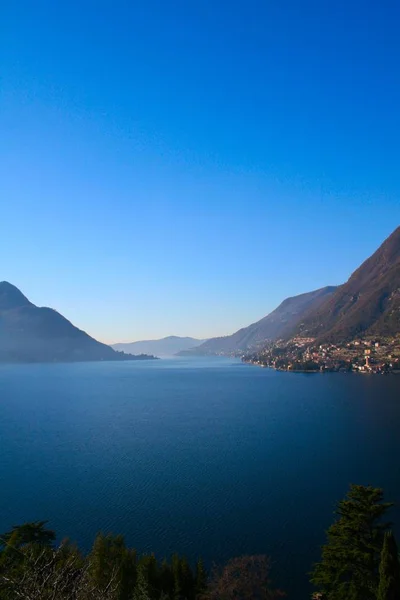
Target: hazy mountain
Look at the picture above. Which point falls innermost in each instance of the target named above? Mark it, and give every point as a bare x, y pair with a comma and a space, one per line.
369, 303
32, 334
278, 324
167, 346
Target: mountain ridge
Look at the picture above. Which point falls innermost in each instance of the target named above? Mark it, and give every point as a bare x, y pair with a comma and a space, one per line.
167, 346
277, 324
29, 333
368, 303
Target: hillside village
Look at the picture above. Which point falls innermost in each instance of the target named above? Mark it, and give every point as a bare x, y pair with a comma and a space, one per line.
369, 355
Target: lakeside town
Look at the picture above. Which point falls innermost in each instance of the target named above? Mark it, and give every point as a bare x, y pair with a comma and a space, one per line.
379, 355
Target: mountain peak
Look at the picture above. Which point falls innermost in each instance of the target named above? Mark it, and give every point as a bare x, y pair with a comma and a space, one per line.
391, 246
368, 303
33, 334
11, 296
385, 256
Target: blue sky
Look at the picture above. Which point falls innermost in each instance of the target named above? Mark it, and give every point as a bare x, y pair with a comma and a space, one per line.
182, 167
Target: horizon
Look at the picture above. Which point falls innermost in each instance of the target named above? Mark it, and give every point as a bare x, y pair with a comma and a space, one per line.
182, 169
204, 338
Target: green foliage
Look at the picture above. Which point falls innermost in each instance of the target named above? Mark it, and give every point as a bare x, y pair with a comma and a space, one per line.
307, 365
24, 544
37, 571
28, 533
389, 570
177, 588
32, 568
141, 588
359, 562
111, 560
349, 568
150, 568
187, 580
200, 578
166, 578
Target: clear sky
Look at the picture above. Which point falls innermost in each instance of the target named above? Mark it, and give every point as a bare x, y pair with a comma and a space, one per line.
180, 167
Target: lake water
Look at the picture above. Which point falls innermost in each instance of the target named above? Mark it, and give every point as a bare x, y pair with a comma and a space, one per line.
205, 457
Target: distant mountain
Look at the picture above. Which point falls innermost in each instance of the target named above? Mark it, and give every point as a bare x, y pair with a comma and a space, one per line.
278, 324
369, 303
167, 346
32, 334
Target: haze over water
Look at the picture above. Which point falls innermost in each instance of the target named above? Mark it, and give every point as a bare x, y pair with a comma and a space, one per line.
198, 456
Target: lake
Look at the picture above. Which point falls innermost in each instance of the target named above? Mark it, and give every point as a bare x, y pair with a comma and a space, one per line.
206, 457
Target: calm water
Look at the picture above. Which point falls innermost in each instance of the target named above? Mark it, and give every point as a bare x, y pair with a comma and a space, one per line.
198, 456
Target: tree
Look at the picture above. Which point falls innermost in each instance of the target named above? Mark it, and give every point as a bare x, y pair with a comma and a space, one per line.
149, 567
200, 578
40, 572
141, 588
30, 539
28, 533
349, 568
166, 579
389, 570
176, 572
186, 579
244, 578
110, 560
31, 568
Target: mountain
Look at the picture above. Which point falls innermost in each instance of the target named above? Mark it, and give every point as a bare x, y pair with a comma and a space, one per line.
278, 324
167, 346
368, 304
29, 333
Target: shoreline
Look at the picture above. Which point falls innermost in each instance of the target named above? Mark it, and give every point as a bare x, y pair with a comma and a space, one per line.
322, 372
